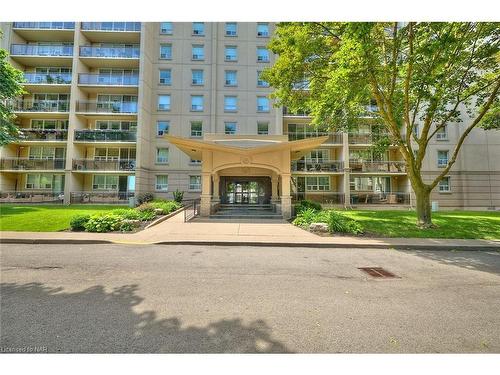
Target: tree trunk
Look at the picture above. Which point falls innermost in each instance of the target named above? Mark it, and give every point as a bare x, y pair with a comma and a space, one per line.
423, 196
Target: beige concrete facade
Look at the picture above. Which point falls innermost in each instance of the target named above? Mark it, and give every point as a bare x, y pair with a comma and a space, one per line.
102, 97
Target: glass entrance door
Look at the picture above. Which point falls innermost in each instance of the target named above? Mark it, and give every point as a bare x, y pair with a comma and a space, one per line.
244, 192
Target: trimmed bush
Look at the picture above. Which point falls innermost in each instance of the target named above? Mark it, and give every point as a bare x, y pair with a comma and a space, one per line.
127, 213
305, 217
305, 204
166, 207
337, 222
103, 223
178, 196
78, 222
144, 198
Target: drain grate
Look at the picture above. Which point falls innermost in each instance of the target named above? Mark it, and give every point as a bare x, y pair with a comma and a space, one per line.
378, 272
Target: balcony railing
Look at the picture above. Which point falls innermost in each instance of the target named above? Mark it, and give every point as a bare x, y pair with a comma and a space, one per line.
26, 164
318, 166
323, 197
45, 25
40, 50
31, 197
106, 107
107, 197
380, 198
368, 138
103, 165
111, 26
333, 138
377, 166
287, 112
44, 135
110, 52
108, 80
50, 78
105, 136
39, 105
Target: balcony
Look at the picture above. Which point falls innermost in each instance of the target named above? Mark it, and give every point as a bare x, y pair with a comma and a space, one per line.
110, 57
111, 26
104, 197
377, 166
98, 109
365, 138
323, 197
42, 55
91, 165
43, 31
47, 82
126, 32
31, 197
318, 166
105, 83
96, 136
333, 138
26, 164
396, 198
42, 108
44, 135
288, 113
44, 25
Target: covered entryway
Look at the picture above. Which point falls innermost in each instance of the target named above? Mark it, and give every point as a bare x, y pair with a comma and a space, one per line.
245, 190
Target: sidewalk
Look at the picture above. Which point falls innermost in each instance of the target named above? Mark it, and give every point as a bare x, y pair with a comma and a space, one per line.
264, 233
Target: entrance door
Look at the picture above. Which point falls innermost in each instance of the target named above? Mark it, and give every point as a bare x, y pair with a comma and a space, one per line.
122, 187
245, 192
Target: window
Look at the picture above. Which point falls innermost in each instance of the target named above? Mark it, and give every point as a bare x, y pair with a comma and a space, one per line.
262, 104
49, 124
164, 102
444, 185
374, 184
230, 103
116, 125
38, 181
317, 156
104, 182
263, 29
166, 28
230, 78
166, 51
260, 81
197, 77
262, 54
46, 152
231, 29
231, 53
194, 182
165, 76
317, 183
162, 155
262, 128
196, 128
199, 28
442, 158
196, 103
229, 128
162, 128
198, 52
195, 162
161, 183
442, 134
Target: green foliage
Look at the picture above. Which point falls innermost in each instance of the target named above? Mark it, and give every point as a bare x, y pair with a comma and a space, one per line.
178, 196
126, 227
166, 206
128, 214
305, 204
337, 222
305, 217
144, 198
103, 223
78, 222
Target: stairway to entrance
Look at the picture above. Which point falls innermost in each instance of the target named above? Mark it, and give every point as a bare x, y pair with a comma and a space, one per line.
246, 211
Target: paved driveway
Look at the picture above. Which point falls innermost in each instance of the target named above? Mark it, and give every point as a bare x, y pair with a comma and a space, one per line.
117, 298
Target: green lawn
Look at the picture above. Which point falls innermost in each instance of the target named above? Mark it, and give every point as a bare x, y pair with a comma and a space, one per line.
44, 218
450, 224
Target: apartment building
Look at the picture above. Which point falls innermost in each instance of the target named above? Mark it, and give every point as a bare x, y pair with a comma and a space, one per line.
113, 109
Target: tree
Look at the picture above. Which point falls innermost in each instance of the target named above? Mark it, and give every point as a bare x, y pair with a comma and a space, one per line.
422, 76
10, 87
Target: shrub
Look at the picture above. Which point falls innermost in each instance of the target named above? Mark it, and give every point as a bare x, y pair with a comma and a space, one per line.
127, 213
305, 204
305, 217
146, 211
165, 206
178, 196
126, 226
343, 224
78, 222
103, 223
144, 198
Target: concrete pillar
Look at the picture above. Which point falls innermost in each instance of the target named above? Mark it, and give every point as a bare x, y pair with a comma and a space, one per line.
347, 170
286, 199
206, 196
274, 188
216, 193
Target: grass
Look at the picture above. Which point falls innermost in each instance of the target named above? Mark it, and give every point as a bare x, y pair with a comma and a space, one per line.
450, 224
44, 218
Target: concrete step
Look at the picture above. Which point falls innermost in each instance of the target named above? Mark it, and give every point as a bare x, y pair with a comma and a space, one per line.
247, 216
246, 206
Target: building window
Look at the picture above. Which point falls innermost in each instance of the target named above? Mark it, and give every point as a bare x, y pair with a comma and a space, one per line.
229, 128
165, 76
260, 81
317, 183
231, 29
230, 103
231, 53
262, 104
442, 133
196, 128
262, 54
164, 102
197, 103
197, 77
199, 28
166, 51
161, 183
444, 185
162, 128
263, 30
116, 125
104, 182
162, 155
198, 52
262, 128
230, 78
442, 158
194, 162
166, 28
194, 182
38, 181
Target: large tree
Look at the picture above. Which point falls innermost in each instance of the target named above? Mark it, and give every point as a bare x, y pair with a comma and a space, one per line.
423, 77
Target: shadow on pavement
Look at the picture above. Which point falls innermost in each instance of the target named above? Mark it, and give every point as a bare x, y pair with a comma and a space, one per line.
94, 321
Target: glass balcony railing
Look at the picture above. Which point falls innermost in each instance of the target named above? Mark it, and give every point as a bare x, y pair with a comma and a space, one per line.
318, 166
48, 78
36, 196
39, 105
106, 107
124, 165
111, 26
288, 112
105, 136
380, 198
323, 197
333, 138
108, 80
45, 25
377, 166
365, 138
44, 135
110, 52
26, 164
41, 50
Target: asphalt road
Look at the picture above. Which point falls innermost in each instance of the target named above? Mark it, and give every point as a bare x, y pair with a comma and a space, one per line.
112, 298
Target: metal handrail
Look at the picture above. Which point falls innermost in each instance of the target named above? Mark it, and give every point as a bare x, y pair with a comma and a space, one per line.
333, 137
389, 197
111, 26
191, 209
44, 134
91, 135
41, 50
116, 197
24, 105
49, 78
44, 25
318, 166
391, 166
93, 106
25, 196
111, 80
104, 165
110, 52
39, 164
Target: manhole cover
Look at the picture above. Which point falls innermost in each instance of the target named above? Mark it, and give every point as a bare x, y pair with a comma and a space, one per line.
378, 272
